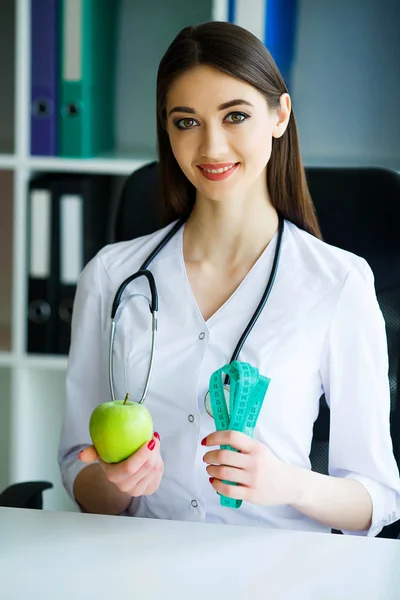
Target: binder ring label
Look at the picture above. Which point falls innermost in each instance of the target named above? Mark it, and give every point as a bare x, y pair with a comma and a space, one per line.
39, 311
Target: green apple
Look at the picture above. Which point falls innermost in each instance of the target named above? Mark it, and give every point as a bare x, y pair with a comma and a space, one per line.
118, 428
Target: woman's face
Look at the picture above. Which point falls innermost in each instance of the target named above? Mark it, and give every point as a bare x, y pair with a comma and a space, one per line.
215, 121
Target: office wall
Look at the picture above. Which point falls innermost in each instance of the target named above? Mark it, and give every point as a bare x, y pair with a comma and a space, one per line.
137, 69
346, 85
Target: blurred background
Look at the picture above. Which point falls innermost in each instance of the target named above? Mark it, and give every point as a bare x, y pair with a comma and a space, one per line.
77, 115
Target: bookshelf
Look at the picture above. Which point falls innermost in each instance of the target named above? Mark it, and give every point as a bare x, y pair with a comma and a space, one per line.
32, 386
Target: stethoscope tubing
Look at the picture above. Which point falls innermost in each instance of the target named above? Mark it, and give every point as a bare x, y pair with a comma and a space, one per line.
153, 305
264, 298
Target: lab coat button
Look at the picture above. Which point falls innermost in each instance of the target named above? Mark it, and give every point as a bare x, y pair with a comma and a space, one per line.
194, 503
191, 418
202, 336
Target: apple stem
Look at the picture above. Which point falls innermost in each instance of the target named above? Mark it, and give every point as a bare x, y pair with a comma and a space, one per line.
126, 397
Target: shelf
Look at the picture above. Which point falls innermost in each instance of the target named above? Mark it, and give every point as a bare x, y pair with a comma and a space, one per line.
7, 359
35, 362
45, 362
8, 161
112, 165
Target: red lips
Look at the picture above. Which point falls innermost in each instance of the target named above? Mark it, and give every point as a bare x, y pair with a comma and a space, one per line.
217, 166
219, 176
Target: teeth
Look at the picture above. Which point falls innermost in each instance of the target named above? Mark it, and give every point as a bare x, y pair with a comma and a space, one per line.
219, 170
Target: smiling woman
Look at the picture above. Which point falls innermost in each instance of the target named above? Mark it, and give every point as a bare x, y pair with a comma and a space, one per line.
241, 271
208, 71
217, 144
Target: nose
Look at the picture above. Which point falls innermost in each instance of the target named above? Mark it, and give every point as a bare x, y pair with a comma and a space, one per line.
214, 144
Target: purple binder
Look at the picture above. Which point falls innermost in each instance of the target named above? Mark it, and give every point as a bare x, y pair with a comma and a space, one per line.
44, 76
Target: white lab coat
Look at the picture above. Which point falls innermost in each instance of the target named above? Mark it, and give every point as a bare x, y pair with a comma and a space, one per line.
321, 331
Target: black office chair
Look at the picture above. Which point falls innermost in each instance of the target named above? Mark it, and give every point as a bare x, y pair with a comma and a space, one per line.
28, 494
358, 210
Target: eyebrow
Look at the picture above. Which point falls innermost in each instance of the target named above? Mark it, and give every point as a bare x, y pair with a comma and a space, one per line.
223, 106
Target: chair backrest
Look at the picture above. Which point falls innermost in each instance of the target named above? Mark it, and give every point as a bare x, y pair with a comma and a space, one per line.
27, 494
358, 209
136, 213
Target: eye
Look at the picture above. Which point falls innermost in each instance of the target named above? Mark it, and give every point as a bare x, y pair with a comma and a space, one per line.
184, 123
239, 117
188, 123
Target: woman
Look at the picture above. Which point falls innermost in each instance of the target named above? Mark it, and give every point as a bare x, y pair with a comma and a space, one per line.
231, 168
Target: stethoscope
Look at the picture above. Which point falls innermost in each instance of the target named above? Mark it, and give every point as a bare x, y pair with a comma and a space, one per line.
153, 305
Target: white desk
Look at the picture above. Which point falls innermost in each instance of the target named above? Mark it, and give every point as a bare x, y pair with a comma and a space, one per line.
70, 556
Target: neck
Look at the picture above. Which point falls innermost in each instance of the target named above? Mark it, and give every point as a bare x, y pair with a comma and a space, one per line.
228, 237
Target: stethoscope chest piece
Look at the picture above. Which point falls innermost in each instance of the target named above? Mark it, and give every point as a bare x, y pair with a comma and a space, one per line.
207, 401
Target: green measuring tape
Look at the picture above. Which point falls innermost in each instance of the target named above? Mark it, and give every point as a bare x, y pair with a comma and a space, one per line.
246, 396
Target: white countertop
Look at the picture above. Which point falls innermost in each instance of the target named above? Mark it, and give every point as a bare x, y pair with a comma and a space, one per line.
47, 555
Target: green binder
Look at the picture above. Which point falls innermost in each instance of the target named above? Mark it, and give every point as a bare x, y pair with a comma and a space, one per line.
87, 77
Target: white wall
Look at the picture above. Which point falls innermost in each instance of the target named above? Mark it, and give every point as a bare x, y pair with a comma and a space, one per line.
346, 84
5, 406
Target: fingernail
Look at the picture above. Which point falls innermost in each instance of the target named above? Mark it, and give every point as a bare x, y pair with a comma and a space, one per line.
157, 435
151, 445
211, 479
79, 454
204, 441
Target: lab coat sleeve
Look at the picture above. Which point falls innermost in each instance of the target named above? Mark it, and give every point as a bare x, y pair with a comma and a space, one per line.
354, 372
87, 372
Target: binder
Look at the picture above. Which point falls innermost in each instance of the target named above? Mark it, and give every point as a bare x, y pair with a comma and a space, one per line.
42, 261
87, 81
44, 76
84, 210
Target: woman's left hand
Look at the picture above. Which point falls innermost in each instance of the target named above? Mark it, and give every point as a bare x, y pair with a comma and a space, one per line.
262, 477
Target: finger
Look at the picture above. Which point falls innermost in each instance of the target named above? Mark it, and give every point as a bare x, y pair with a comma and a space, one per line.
154, 484
119, 471
229, 474
227, 457
137, 485
238, 492
238, 440
129, 484
152, 487
149, 484
88, 455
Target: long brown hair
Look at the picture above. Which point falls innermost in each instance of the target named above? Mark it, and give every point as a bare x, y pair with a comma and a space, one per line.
237, 52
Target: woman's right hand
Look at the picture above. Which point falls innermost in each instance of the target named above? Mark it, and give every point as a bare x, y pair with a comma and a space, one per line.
138, 475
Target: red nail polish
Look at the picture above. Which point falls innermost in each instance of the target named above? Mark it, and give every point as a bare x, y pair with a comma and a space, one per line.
157, 435
151, 445
211, 479
204, 441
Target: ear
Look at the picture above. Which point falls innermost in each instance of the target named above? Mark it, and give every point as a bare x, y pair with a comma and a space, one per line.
282, 116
